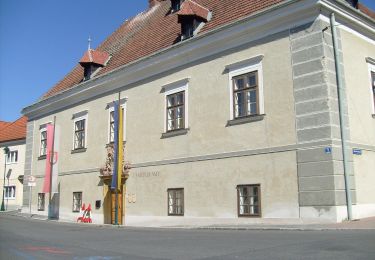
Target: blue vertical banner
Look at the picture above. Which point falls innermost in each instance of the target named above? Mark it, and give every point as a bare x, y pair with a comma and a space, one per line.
114, 184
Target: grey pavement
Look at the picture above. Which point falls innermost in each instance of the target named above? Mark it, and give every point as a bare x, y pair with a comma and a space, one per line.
29, 239
357, 224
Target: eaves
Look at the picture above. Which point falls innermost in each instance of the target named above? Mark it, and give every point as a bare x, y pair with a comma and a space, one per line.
269, 21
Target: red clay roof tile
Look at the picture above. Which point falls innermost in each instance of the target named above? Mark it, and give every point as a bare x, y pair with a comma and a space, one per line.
364, 9
156, 29
192, 8
4, 124
14, 131
94, 56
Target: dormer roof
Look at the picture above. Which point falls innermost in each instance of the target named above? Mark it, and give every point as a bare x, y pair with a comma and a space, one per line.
191, 8
94, 56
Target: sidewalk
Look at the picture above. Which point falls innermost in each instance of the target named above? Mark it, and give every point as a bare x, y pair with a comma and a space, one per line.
361, 224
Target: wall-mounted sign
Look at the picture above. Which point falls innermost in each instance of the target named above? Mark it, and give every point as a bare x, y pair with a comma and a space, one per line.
357, 151
31, 181
328, 150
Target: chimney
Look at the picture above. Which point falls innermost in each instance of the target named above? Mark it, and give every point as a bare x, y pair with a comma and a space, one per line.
152, 3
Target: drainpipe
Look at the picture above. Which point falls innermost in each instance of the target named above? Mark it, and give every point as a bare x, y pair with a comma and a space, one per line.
344, 137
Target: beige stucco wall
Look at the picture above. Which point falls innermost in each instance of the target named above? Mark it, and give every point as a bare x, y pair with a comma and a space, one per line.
362, 123
17, 169
210, 186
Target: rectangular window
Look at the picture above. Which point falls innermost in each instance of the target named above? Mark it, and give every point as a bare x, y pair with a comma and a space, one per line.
10, 192
176, 5
248, 197
77, 201
176, 111
79, 134
43, 142
12, 157
41, 201
111, 126
175, 202
245, 95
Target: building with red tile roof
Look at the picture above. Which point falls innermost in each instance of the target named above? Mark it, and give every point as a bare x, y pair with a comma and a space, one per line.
12, 131
235, 111
12, 164
153, 30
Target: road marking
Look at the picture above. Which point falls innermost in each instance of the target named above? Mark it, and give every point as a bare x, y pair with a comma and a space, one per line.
97, 258
51, 250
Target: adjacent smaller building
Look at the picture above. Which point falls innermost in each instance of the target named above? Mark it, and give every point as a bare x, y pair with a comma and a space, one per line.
12, 161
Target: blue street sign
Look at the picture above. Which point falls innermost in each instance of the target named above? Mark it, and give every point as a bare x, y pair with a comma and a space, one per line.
328, 150
357, 151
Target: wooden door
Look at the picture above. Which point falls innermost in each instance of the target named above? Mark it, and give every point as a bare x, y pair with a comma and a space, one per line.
113, 207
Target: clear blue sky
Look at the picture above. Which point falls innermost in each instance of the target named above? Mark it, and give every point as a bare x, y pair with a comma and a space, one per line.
42, 40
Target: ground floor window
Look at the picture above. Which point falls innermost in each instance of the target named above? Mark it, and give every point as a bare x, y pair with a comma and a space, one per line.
248, 197
77, 201
176, 202
10, 192
41, 201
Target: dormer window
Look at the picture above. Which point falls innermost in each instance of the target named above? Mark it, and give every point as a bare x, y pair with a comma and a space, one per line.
188, 26
192, 17
89, 69
176, 5
92, 61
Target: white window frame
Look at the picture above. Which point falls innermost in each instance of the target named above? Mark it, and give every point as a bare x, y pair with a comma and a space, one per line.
243, 67
78, 117
41, 129
10, 157
111, 108
80, 193
173, 88
371, 68
6, 193
41, 201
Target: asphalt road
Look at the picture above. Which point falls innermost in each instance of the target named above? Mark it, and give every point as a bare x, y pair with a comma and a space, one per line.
22, 238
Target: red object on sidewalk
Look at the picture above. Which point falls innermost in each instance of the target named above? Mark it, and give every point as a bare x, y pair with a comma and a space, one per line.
86, 215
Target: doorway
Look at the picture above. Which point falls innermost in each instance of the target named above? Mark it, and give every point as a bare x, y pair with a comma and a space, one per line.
119, 207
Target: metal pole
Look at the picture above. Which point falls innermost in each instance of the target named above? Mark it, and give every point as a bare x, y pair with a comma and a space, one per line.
50, 173
344, 137
6, 151
30, 196
9, 190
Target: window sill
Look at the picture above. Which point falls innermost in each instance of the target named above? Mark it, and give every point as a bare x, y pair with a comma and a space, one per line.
80, 150
42, 157
244, 120
175, 215
175, 133
249, 216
